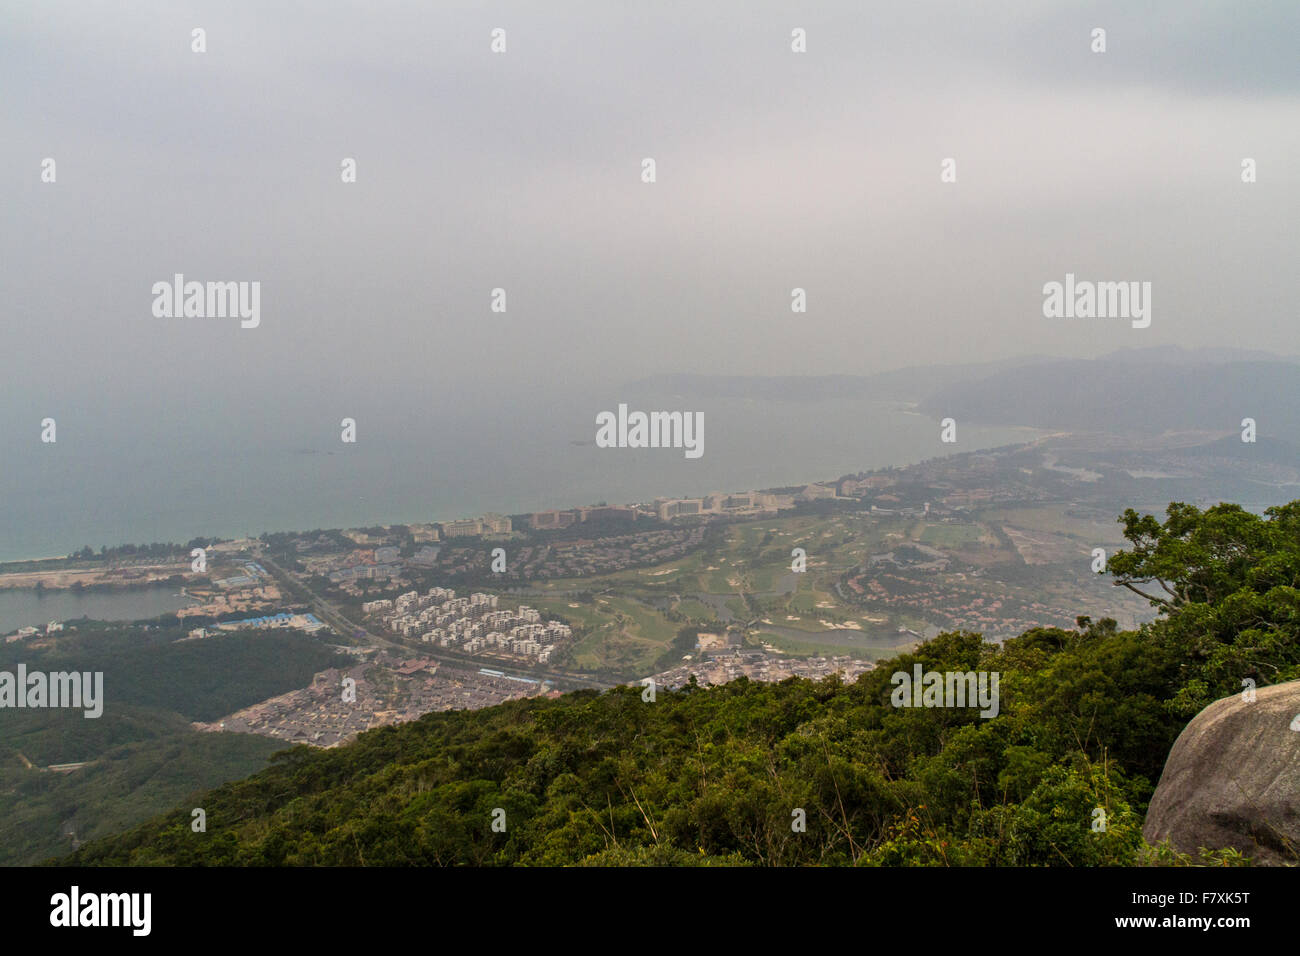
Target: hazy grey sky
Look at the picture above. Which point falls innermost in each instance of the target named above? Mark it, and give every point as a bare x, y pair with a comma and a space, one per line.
522, 170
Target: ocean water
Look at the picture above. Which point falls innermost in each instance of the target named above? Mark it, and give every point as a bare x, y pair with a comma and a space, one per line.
23, 607
227, 465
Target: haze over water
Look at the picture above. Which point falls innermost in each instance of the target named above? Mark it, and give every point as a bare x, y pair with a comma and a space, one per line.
185, 470
523, 171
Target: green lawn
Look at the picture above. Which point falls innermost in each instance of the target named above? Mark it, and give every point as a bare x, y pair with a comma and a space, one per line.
950, 536
621, 634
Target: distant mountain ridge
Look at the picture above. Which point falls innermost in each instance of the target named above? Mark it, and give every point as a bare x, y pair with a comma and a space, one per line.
1129, 396
934, 385
905, 384
1177, 355
1276, 451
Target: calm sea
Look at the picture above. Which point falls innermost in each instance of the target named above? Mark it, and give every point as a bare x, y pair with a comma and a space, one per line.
225, 467
25, 608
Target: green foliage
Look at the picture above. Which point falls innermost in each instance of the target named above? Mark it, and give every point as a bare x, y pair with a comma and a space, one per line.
141, 754
41, 811
1229, 581
201, 680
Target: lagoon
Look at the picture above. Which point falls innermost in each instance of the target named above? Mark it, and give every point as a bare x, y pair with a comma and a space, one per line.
24, 607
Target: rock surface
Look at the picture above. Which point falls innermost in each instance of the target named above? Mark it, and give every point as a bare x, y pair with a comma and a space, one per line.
1233, 779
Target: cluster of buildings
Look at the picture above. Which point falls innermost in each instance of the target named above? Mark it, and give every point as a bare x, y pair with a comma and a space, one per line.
538, 520
383, 563
363, 564
386, 563
718, 668
861, 486
214, 602
718, 503
490, 523
426, 557
708, 641
249, 589
741, 503
284, 620
252, 575
961, 482
952, 607
472, 624
606, 555
550, 520
24, 632
384, 691
562, 559
365, 572
914, 555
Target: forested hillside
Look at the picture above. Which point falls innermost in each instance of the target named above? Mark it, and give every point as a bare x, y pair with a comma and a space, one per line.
718, 776
140, 755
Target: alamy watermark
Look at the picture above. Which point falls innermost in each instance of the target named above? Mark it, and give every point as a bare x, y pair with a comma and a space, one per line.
651, 430
946, 689
75, 909
56, 689
208, 300
1098, 300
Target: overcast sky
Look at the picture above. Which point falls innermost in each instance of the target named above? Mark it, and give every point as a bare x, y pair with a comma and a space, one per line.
522, 170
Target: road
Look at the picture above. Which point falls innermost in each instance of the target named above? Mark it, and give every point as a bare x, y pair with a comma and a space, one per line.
354, 633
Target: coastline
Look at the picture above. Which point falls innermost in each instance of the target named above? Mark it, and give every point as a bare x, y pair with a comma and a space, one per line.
470, 462
82, 581
1025, 435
